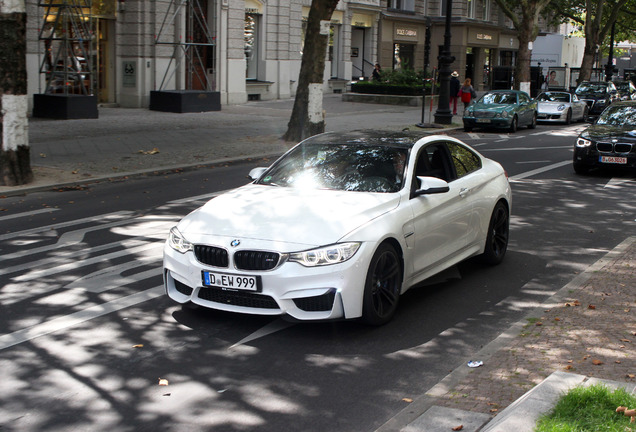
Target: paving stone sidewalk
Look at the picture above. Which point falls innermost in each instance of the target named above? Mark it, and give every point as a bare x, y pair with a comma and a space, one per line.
588, 328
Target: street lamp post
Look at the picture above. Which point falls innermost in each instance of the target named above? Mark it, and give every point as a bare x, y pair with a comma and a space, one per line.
443, 114
609, 67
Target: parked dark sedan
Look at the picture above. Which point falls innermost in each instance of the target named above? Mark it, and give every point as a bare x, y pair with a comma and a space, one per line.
626, 89
598, 95
610, 142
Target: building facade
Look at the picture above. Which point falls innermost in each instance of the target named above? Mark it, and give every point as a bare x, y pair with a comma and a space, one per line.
250, 49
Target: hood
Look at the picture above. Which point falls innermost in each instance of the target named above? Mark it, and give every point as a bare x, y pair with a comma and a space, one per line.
600, 132
286, 215
594, 96
492, 107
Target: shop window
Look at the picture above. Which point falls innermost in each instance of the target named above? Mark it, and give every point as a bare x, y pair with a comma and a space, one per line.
403, 56
251, 45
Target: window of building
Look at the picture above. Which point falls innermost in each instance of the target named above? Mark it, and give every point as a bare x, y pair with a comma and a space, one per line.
402, 5
470, 11
251, 45
334, 49
485, 10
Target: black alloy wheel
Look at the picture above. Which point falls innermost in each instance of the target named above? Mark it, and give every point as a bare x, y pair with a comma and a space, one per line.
382, 286
498, 234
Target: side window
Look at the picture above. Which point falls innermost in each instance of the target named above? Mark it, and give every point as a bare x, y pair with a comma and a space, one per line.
431, 162
522, 98
465, 161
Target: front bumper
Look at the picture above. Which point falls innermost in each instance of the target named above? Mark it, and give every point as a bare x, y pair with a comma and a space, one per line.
493, 122
590, 157
303, 293
552, 116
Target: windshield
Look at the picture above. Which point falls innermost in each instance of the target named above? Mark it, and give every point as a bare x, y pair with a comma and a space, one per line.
591, 88
499, 98
347, 167
554, 97
618, 116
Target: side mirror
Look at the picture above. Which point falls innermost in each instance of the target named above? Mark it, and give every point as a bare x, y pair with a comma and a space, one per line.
256, 173
431, 185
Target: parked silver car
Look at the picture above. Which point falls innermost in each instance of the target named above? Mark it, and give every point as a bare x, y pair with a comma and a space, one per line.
560, 106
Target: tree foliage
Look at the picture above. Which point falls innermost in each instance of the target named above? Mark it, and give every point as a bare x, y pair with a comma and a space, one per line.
596, 18
524, 15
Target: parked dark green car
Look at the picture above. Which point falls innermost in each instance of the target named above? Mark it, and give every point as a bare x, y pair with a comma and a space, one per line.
507, 109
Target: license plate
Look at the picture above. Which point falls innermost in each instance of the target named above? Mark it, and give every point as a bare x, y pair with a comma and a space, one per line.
231, 281
613, 159
483, 120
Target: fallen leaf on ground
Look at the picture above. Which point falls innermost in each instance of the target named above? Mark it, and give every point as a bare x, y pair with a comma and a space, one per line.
42, 155
632, 376
138, 346
163, 382
597, 362
591, 306
149, 152
409, 400
625, 340
458, 428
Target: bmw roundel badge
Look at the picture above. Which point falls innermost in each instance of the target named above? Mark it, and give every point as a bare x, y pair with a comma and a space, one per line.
235, 243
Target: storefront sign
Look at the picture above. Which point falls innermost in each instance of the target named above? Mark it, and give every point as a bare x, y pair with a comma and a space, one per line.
484, 36
406, 32
253, 7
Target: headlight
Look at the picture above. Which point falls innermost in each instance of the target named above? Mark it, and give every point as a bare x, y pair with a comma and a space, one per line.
469, 112
503, 114
561, 107
602, 102
582, 142
326, 255
178, 242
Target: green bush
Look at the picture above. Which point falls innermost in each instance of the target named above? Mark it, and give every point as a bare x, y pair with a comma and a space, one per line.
403, 82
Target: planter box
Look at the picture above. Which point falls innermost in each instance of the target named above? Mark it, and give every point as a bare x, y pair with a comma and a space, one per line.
65, 107
185, 101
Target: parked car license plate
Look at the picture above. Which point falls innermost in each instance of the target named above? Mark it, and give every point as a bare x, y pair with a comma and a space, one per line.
482, 120
613, 159
231, 281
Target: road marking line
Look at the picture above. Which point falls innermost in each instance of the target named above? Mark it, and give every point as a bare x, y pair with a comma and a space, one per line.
99, 218
27, 214
27, 334
540, 170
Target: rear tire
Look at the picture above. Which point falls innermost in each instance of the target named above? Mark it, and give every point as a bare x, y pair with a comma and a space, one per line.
498, 234
382, 286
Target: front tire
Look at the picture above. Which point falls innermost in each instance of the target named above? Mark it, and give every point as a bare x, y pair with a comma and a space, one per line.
498, 234
382, 286
568, 117
513, 125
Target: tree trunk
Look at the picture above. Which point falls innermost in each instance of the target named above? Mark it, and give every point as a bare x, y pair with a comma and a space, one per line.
15, 165
307, 117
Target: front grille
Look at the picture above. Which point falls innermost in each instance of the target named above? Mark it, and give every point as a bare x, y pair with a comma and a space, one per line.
182, 288
614, 147
623, 147
319, 303
211, 255
485, 114
238, 298
256, 260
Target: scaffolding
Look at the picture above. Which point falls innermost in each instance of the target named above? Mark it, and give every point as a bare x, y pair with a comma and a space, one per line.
68, 37
196, 52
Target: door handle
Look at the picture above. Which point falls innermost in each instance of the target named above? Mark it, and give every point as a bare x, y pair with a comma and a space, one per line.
463, 192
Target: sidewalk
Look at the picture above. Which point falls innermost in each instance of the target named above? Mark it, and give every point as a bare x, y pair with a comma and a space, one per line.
584, 334
588, 328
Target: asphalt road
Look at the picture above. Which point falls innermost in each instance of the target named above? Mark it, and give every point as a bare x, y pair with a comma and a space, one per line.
87, 334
